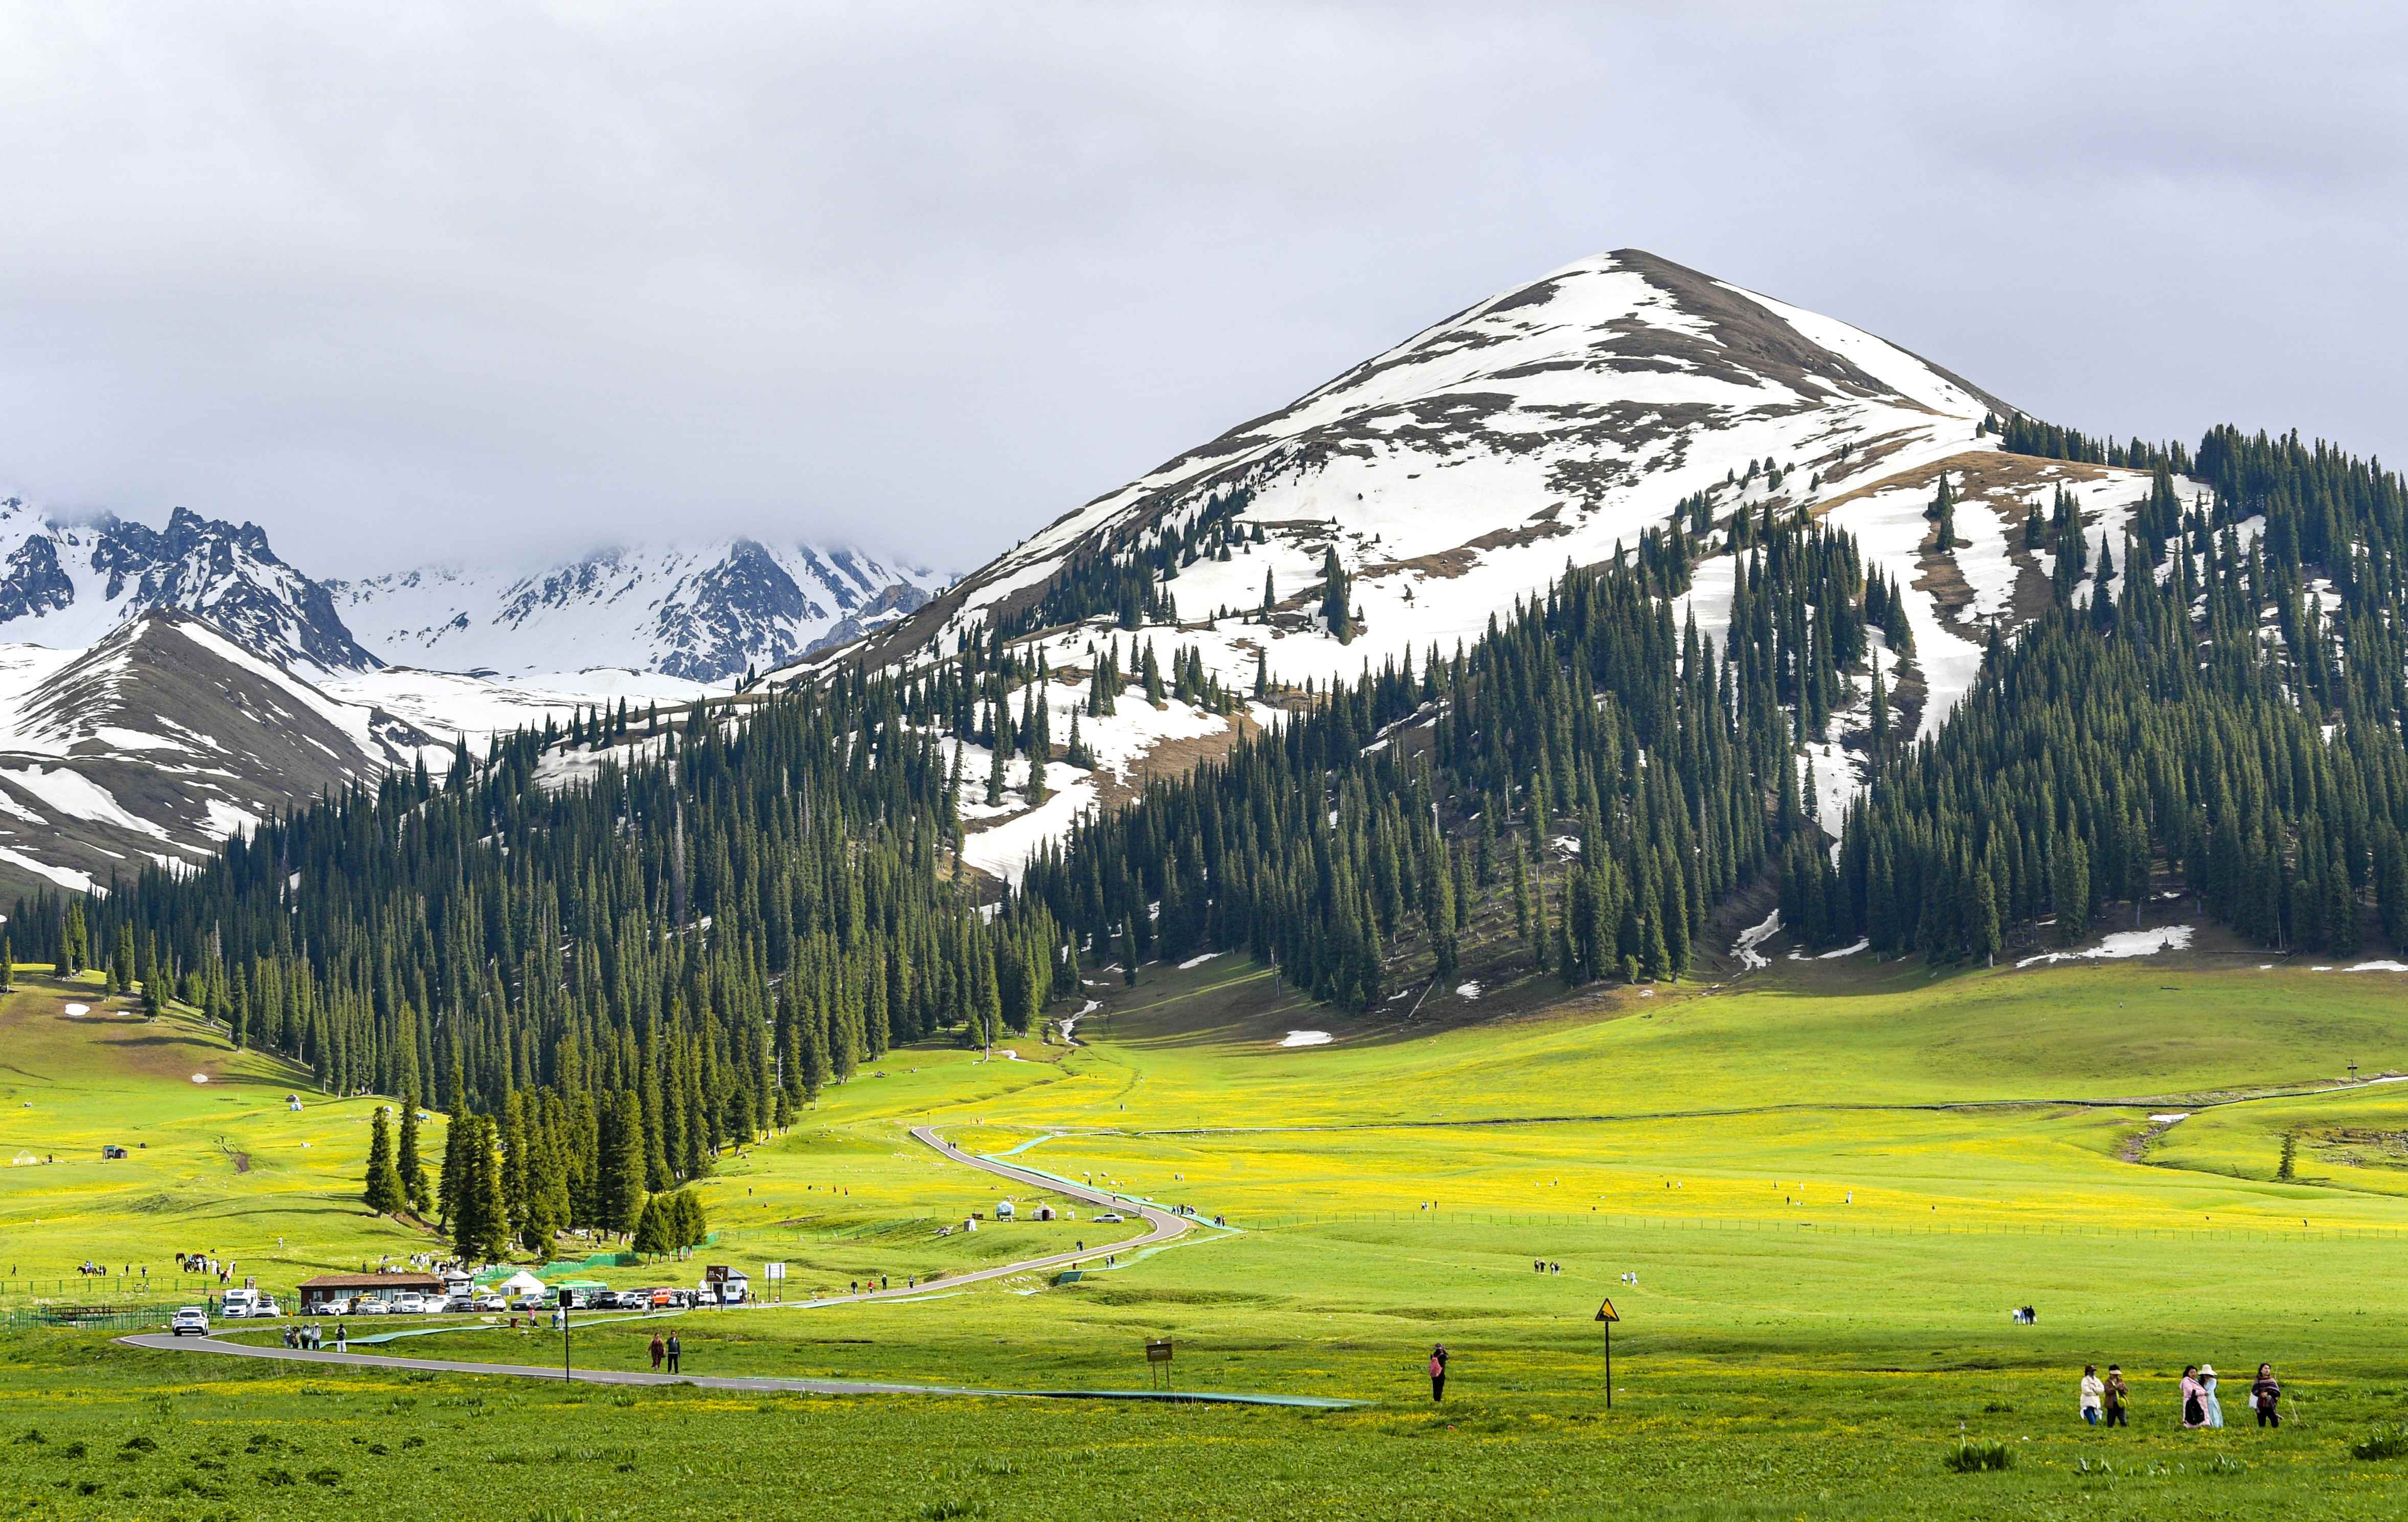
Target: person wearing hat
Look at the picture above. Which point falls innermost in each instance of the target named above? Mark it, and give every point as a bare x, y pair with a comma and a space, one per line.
2209, 1404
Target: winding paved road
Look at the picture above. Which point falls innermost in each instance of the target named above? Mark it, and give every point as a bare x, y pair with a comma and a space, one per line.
1163, 1227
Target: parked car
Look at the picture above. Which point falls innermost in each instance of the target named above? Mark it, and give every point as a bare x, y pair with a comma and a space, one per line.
1112, 1215
368, 1305
410, 1305
190, 1320
491, 1302
330, 1308
238, 1304
265, 1306
533, 1302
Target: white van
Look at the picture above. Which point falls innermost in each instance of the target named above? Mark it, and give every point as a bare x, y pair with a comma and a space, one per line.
239, 1304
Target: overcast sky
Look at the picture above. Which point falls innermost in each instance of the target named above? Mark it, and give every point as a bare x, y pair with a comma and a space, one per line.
412, 282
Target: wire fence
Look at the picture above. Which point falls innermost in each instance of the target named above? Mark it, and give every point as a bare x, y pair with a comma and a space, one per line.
1819, 1227
85, 1317
106, 1287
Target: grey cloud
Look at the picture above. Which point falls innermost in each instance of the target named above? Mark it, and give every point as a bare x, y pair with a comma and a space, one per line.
425, 282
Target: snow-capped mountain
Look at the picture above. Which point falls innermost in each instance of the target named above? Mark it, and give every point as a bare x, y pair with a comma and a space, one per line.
69, 584
161, 689
701, 612
1553, 423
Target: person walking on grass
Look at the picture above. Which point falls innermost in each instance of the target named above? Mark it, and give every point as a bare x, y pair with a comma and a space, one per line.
2093, 1390
2264, 1392
2113, 1414
2194, 1413
2211, 1407
659, 1350
1438, 1372
674, 1350
342, 1339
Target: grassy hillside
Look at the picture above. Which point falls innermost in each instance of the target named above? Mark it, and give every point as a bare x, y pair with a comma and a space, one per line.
216, 1162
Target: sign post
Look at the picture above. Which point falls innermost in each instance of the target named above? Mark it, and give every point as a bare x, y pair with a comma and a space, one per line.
776, 1274
1606, 1313
1158, 1361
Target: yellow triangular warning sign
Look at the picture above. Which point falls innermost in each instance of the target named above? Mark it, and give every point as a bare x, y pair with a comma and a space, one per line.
1606, 1312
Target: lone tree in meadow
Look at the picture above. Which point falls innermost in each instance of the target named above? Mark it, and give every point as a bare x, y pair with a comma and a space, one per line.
414, 1187
384, 1195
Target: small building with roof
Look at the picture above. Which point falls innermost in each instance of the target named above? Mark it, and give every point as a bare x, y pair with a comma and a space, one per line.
325, 1290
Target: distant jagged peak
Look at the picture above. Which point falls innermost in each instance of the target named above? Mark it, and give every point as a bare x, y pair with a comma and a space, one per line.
703, 611
67, 582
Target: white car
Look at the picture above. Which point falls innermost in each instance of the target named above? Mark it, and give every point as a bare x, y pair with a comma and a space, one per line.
410, 1305
491, 1302
192, 1319
1111, 1215
368, 1305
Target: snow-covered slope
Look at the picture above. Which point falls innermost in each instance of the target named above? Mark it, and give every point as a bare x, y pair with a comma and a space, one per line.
1462, 470
703, 612
69, 584
159, 740
165, 737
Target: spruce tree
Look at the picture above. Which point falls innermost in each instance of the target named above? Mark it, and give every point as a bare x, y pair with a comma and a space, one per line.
383, 1193
414, 1189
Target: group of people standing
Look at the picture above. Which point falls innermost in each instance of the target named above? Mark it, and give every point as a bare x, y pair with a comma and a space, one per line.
2105, 1403
312, 1339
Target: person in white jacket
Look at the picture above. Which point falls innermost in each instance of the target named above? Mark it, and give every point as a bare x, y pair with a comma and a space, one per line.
2093, 1391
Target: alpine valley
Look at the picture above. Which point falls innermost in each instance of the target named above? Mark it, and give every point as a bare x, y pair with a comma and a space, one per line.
1638, 824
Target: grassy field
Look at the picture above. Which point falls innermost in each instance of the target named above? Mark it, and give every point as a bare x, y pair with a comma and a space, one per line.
1814, 1196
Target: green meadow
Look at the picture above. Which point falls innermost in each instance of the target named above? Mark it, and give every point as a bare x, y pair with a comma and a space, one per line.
1815, 1194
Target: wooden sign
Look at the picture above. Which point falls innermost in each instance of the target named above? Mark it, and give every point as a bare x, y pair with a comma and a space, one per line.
1158, 1352
1606, 1313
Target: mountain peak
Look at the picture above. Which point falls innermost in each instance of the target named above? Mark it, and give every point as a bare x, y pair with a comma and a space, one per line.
69, 585
1557, 420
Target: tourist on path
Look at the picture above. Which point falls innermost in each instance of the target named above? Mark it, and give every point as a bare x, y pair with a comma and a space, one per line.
1438, 1372
660, 1350
2207, 1399
675, 1348
2194, 1413
2264, 1392
2094, 1390
2116, 1394
342, 1339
